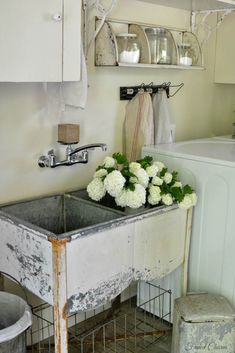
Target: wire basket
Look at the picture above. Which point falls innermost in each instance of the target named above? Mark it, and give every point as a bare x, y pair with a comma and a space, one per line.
133, 326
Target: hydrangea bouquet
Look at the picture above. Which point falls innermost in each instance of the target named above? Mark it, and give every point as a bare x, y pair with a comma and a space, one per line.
144, 182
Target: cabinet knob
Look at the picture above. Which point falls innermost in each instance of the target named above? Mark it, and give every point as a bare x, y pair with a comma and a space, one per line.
57, 17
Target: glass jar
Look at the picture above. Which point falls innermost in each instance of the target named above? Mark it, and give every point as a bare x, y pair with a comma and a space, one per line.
162, 46
128, 48
189, 49
185, 54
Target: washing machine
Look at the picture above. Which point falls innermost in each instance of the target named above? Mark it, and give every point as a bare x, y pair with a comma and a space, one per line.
208, 165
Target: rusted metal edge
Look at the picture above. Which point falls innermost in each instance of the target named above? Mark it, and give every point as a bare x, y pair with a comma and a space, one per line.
60, 294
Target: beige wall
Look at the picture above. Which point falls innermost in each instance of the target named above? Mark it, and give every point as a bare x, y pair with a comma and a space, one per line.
29, 115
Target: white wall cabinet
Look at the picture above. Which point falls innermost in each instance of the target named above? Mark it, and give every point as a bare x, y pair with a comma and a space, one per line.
225, 51
40, 40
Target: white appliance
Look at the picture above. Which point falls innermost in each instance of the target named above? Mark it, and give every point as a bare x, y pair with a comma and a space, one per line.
209, 166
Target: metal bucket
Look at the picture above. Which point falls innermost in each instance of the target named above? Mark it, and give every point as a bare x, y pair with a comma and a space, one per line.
15, 318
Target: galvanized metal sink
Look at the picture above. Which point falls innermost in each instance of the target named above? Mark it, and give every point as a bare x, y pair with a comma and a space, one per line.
109, 201
61, 214
78, 255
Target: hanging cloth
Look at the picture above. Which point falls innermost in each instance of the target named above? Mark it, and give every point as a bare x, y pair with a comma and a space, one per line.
164, 128
74, 94
138, 126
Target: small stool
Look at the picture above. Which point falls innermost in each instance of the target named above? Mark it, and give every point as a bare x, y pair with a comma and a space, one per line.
203, 323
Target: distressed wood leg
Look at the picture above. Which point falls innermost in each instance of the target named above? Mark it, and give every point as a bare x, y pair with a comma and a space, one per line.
186, 251
60, 295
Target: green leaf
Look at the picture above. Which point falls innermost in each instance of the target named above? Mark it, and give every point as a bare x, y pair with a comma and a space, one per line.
145, 162
148, 159
177, 193
130, 186
163, 172
174, 175
187, 189
109, 170
126, 173
165, 188
120, 158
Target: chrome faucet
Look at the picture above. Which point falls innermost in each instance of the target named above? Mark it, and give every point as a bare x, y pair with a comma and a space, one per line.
73, 156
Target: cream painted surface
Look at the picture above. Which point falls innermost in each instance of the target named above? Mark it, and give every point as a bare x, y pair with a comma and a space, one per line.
35, 45
72, 40
33, 22
30, 113
225, 51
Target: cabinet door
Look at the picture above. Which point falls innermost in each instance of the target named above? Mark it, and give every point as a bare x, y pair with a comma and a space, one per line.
31, 40
72, 40
225, 51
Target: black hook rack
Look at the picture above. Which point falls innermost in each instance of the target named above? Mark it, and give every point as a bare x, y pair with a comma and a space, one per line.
127, 93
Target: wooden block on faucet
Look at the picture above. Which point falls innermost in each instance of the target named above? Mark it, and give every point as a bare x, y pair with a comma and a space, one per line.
68, 133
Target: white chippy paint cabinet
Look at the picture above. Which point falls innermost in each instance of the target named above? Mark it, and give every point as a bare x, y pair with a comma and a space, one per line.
85, 269
225, 51
40, 40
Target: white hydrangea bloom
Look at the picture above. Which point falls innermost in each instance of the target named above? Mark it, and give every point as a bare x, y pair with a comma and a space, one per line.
153, 189
134, 166
177, 184
143, 177
121, 199
157, 181
153, 201
186, 203
96, 189
154, 195
193, 197
152, 170
109, 162
136, 198
167, 178
160, 165
100, 173
167, 199
114, 183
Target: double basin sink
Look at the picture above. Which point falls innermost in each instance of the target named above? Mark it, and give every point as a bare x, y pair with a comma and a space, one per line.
95, 248
64, 213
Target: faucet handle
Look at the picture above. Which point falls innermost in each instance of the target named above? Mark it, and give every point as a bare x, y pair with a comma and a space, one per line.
85, 155
51, 152
43, 161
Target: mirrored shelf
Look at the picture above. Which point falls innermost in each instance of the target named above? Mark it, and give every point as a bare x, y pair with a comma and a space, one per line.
184, 50
161, 66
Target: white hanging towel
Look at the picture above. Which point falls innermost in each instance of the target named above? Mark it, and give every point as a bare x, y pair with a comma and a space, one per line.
74, 94
138, 126
164, 128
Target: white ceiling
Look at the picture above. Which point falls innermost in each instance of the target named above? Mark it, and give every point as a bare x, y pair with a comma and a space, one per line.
195, 5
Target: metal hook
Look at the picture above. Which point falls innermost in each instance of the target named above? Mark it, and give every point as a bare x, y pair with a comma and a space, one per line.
127, 93
179, 88
166, 84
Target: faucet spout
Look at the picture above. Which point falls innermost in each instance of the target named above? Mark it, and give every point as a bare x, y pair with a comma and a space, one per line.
78, 155
91, 146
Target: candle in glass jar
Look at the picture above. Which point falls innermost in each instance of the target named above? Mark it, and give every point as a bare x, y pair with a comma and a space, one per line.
128, 48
